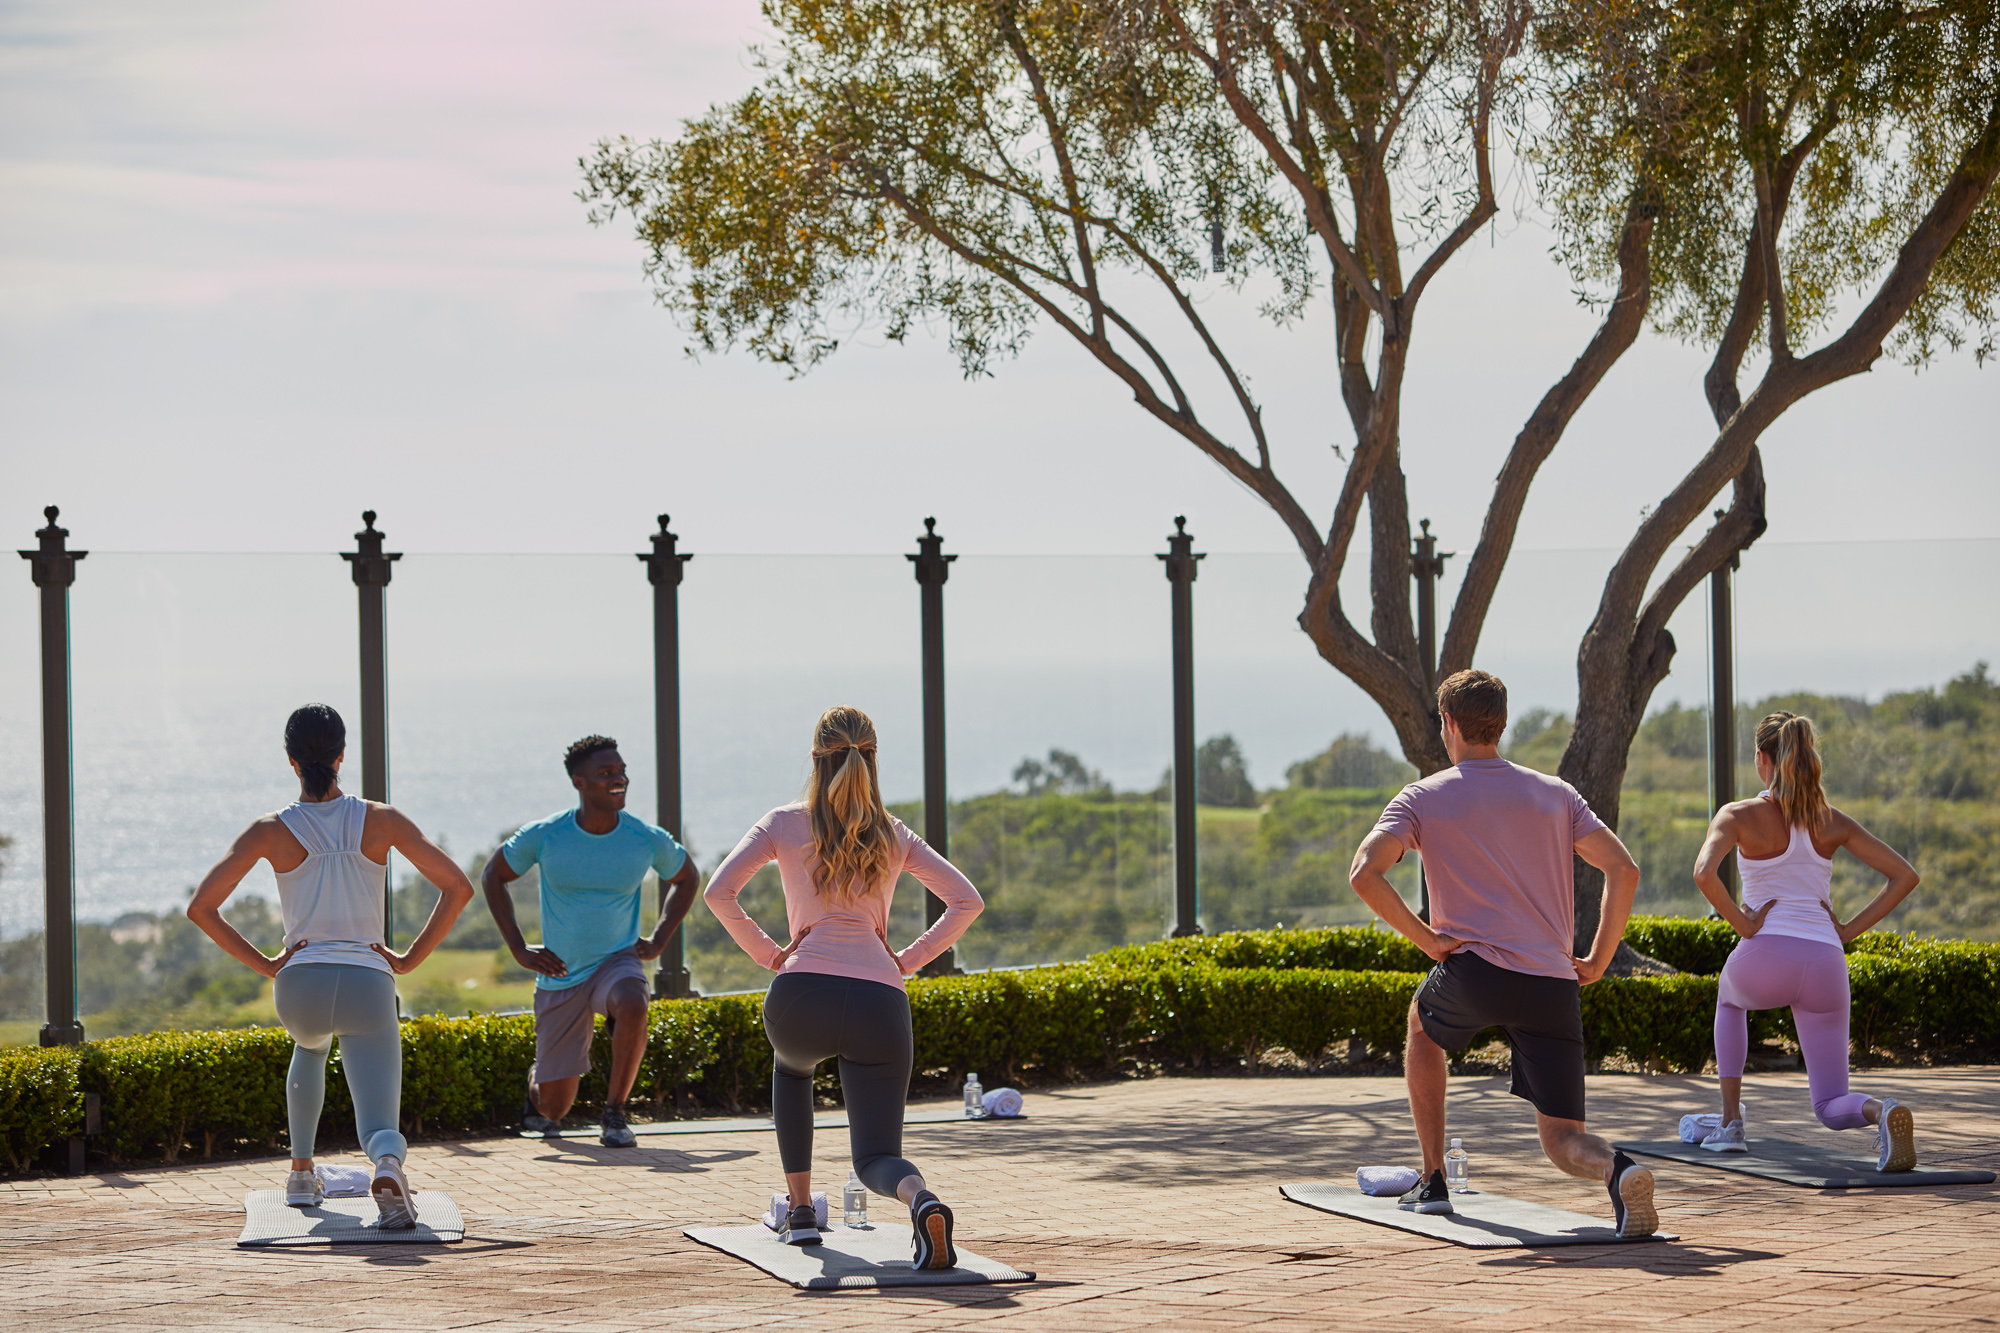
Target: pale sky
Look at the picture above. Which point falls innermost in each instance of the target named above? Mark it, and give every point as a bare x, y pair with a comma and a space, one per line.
263, 265
267, 264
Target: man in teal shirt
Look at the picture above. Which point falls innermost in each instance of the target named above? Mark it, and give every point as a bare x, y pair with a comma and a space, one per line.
591, 958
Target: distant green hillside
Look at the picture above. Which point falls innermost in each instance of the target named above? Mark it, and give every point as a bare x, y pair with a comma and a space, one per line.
1070, 867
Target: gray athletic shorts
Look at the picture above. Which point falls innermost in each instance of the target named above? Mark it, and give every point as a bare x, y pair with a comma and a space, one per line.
563, 1018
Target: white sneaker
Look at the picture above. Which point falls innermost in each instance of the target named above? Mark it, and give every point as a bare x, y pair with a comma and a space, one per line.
304, 1190
1896, 1138
396, 1209
1727, 1139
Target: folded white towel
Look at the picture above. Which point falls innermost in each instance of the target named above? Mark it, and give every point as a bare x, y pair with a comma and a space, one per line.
781, 1204
1002, 1102
1386, 1179
1695, 1128
344, 1182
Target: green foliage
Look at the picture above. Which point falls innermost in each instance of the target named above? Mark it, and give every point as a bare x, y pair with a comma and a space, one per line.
41, 1100
1345, 949
1844, 117
1351, 761
1223, 1001
1221, 777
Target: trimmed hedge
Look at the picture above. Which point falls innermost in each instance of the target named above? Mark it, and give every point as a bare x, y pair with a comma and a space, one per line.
1201, 1003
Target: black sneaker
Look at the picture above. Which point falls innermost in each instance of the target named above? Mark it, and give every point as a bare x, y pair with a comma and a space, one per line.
1631, 1187
532, 1120
801, 1226
930, 1233
1430, 1196
616, 1130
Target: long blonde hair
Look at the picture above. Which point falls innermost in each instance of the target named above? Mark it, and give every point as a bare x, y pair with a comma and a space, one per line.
1793, 746
852, 837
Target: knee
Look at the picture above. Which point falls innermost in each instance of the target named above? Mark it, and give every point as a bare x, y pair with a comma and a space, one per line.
627, 1002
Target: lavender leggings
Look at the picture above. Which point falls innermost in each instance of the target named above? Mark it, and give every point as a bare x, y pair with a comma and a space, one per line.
1810, 978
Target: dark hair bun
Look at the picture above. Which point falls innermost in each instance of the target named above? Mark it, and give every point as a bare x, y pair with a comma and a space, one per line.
314, 738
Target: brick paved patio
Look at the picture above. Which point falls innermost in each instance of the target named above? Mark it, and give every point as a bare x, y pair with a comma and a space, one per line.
1142, 1205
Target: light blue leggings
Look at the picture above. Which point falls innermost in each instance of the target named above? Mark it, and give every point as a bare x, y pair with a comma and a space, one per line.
318, 1002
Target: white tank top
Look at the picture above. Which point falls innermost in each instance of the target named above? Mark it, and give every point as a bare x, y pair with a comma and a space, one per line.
333, 900
1797, 880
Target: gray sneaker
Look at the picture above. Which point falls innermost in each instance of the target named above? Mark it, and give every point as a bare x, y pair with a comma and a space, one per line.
1729, 1138
303, 1189
395, 1207
617, 1131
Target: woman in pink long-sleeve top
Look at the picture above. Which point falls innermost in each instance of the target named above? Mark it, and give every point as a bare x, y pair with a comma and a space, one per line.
839, 989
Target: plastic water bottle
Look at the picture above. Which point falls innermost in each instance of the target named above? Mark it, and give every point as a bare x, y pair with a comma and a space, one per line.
975, 1098
1458, 1168
854, 1202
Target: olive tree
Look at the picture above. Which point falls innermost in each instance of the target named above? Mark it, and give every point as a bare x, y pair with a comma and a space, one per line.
1816, 170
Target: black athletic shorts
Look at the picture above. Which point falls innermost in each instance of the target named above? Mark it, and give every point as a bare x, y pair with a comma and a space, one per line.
1542, 1017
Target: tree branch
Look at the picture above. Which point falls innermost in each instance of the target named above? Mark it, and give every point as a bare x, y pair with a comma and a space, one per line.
1616, 333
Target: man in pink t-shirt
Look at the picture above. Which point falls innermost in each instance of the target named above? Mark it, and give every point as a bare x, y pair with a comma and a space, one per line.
1497, 841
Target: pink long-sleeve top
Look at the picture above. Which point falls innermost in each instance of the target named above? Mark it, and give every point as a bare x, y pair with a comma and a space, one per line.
845, 939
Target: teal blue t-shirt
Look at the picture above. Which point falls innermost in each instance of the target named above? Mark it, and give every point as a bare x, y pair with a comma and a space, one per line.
590, 885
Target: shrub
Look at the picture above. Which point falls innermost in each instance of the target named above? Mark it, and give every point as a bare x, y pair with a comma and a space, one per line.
1206, 1002
41, 1100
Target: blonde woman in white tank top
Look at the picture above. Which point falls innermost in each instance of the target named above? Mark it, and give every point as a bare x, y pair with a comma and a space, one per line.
1792, 954
336, 976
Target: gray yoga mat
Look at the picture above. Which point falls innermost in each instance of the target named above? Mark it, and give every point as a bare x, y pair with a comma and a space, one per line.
268, 1222
878, 1256
1482, 1221
1803, 1164
762, 1124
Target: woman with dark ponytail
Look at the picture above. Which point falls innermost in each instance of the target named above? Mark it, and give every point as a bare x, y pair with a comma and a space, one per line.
839, 990
337, 975
1792, 953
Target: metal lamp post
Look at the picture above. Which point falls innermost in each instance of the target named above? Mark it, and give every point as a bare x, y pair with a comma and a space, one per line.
933, 567
53, 567
1182, 566
1427, 567
664, 565
1722, 713
372, 567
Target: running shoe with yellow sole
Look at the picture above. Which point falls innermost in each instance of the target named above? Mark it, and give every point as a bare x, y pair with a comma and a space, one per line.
1631, 1187
1897, 1131
930, 1229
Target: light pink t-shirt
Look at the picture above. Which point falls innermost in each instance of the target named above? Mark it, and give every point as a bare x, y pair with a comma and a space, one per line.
846, 940
1497, 841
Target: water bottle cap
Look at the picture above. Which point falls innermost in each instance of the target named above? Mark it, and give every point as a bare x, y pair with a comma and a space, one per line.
1458, 1143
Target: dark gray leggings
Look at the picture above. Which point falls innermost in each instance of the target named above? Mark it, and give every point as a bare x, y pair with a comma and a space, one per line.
810, 1017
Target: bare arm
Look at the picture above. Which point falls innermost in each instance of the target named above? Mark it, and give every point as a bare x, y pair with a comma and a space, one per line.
258, 843
1883, 859
429, 860
1369, 878
684, 882
1602, 850
494, 881
1721, 840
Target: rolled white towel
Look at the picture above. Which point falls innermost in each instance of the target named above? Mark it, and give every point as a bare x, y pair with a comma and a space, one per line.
1002, 1102
1380, 1180
781, 1204
344, 1182
1695, 1128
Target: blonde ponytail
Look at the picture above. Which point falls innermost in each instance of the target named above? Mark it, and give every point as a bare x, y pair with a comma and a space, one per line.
853, 843
1793, 748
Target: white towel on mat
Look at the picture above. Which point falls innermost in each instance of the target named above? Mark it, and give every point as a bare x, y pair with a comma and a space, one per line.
781, 1206
1002, 1102
1695, 1128
344, 1182
1380, 1180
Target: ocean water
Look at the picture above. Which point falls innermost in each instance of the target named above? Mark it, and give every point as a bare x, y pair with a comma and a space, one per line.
186, 666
